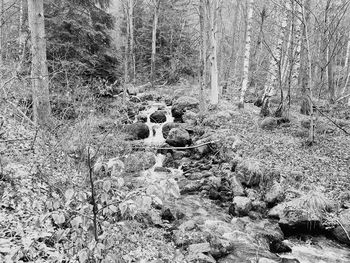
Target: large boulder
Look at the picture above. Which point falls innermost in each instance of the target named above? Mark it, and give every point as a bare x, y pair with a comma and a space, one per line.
158, 116
303, 214
269, 123
139, 161
137, 131
249, 172
178, 137
341, 232
186, 103
190, 118
236, 186
167, 127
240, 206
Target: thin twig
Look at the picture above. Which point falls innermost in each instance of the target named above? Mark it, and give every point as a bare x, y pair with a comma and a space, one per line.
94, 205
324, 115
15, 140
178, 148
346, 232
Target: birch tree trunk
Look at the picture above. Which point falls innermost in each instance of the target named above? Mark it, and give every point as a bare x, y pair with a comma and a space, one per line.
310, 81
154, 39
274, 78
131, 32
214, 91
126, 50
39, 72
1, 34
346, 68
297, 46
203, 56
246, 54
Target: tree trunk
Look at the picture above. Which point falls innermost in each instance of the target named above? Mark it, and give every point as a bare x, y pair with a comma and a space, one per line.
246, 54
1, 35
275, 65
126, 50
154, 40
203, 56
346, 67
131, 32
310, 81
214, 91
39, 72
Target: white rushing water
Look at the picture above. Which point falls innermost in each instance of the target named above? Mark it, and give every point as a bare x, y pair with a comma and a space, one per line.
320, 250
157, 138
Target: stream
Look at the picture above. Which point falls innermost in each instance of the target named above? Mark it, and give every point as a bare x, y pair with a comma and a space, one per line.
310, 250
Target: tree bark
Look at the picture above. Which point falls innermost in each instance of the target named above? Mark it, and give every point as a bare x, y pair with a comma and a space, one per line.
214, 91
39, 71
131, 32
154, 40
274, 78
203, 56
246, 54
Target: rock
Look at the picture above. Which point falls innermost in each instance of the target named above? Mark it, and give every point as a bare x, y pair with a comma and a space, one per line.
187, 186
267, 260
259, 206
178, 137
185, 103
190, 118
177, 114
141, 118
139, 161
145, 96
303, 214
167, 127
214, 194
236, 186
184, 238
275, 194
339, 232
199, 248
137, 131
167, 215
158, 116
240, 206
269, 123
277, 246
187, 225
200, 258
249, 172
218, 119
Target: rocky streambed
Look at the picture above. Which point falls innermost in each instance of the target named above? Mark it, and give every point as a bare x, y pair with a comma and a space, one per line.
229, 208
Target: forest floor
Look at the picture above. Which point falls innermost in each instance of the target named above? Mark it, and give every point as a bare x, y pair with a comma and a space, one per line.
34, 180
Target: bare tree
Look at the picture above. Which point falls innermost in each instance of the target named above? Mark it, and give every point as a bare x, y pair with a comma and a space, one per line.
156, 5
246, 54
39, 71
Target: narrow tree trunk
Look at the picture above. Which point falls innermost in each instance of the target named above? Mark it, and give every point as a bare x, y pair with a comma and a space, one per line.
203, 56
346, 67
246, 54
154, 40
310, 82
126, 50
39, 72
214, 91
132, 51
1, 35
274, 78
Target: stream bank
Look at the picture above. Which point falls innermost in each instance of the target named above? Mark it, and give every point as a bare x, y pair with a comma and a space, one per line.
231, 208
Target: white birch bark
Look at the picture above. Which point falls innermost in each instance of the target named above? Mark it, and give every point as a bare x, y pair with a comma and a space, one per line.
346, 68
274, 78
214, 91
39, 71
154, 39
246, 54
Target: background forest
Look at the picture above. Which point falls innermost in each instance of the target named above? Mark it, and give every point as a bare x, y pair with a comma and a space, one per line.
174, 130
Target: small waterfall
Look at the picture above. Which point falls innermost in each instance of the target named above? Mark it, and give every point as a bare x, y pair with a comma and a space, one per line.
156, 135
